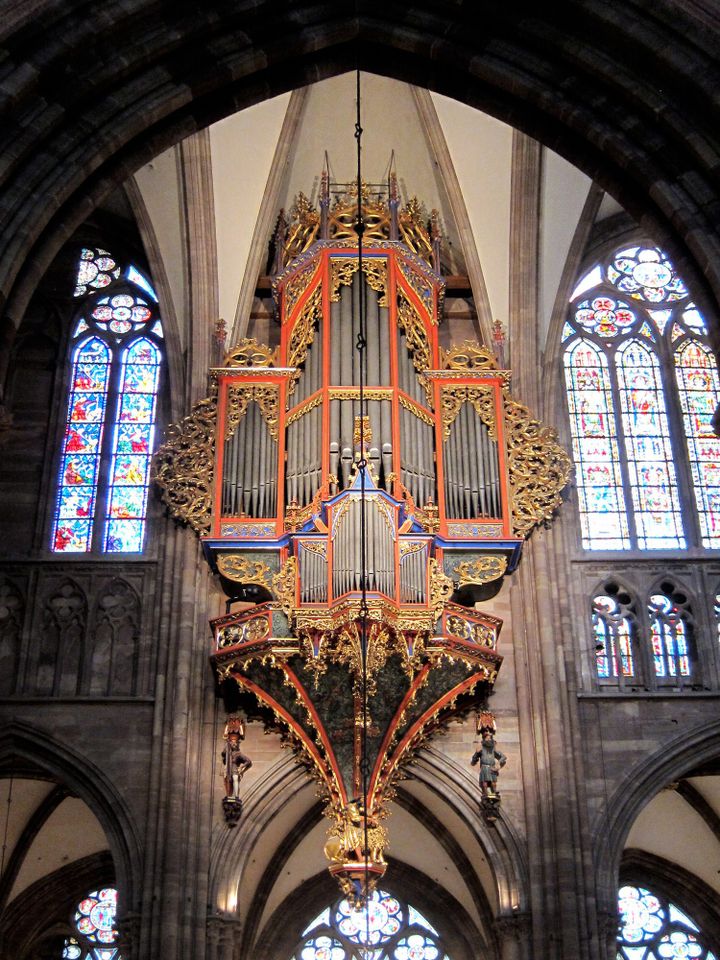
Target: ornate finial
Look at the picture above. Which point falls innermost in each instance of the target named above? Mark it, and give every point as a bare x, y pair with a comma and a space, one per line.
499, 341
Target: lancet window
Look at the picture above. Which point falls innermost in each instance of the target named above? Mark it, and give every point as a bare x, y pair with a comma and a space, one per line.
615, 629
389, 929
116, 356
653, 928
650, 643
94, 925
642, 386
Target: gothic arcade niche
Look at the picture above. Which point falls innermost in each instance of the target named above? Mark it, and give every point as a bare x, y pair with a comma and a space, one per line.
362, 488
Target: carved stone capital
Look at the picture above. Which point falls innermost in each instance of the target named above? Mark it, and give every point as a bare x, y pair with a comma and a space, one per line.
513, 926
222, 931
128, 928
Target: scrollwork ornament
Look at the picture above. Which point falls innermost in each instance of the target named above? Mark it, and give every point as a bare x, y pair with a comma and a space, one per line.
284, 586
538, 467
250, 353
411, 324
482, 400
243, 570
239, 397
183, 466
468, 356
303, 333
441, 588
482, 570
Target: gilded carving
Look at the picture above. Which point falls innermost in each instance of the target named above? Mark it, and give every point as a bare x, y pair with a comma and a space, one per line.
481, 397
468, 356
297, 286
410, 322
441, 588
344, 215
242, 570
362, 431
538, 467
482, 570
285, 586
413, 232
303, 230
343, 269
303, 332
249, 353
183, 466
250, 631
305, 408
239, 396
422, 287
416, 410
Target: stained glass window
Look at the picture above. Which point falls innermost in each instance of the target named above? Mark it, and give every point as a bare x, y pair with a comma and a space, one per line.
642, 386
111, 412
614, 627
652, 928
671, 633
388, 929
94, 924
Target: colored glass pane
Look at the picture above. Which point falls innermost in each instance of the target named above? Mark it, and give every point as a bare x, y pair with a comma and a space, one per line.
647, 447
388, 930
595, 446
694, 319
661, 318
72, 949
613, 638
372, 925
77, 488
323, 948
322, 919
95, 916
140, 280
416, 947
591, 279
416, 918
132, 445
699, 389
96, 269
651, 928
645, 273
604, 316
671, 655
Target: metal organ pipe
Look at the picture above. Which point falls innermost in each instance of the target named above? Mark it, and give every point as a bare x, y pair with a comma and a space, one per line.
472, 478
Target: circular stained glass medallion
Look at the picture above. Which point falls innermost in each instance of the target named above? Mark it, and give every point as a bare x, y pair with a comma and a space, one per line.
380, 923
95, 916
605, 316
645, 273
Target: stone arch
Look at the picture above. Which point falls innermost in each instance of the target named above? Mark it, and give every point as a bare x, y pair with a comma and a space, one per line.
641, 783
114, 652
462, 939
233, 849
21, 743
576, 80
695, 898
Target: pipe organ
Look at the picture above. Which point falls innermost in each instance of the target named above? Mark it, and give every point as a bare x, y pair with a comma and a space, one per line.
321, 476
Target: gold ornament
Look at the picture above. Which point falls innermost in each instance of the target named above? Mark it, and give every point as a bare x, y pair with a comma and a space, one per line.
538, 467
243, 570
482, 570
183, 466
250, 353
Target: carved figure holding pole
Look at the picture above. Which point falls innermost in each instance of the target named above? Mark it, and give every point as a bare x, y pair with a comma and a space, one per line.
491, 759
235, 762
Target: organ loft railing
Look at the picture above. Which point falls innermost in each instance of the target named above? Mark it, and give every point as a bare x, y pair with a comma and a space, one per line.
268, 471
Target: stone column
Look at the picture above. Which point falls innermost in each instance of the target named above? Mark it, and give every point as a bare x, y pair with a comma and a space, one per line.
513, 933
223, 936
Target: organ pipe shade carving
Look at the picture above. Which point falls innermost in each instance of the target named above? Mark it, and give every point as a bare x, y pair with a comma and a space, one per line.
285, 474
